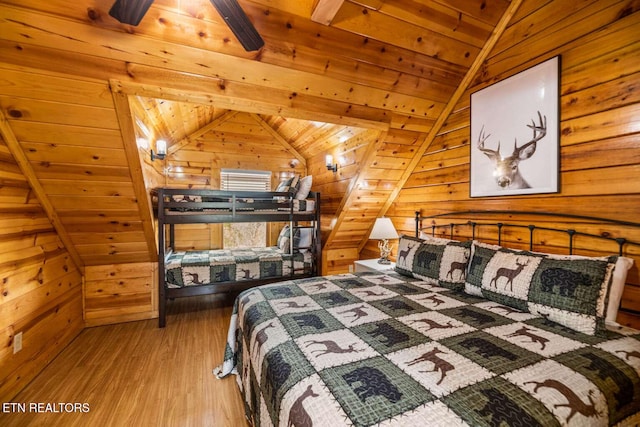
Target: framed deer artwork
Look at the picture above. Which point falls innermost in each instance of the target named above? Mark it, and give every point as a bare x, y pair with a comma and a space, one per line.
514, 134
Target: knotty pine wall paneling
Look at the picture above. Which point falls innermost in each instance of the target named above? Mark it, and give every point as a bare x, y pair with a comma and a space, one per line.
41, 288
120, 293
69, 131
599, 125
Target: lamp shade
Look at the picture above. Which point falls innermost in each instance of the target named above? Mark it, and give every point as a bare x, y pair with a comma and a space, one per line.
161, 147
383, 229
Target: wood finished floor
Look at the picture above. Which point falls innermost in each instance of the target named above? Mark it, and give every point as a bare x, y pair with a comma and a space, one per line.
135, 374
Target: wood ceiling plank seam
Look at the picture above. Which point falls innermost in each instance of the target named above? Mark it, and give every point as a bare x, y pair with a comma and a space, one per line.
47, 206
377, 140
281, 140
566, 19
71, 154
95, 188
389, 29
123, 111
514, 59
443, 20
79, 136
24, 82
202, 131
486, 12
468, 79
434, 85
38, 110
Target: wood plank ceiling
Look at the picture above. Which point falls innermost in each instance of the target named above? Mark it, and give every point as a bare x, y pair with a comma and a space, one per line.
392, 66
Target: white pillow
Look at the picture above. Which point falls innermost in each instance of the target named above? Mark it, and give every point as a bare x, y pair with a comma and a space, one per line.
306, 235
617, 287
304, 186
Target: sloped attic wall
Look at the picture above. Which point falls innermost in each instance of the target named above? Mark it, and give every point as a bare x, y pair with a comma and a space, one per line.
41, 288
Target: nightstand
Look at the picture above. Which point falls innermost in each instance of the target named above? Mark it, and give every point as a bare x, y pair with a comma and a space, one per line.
372, 265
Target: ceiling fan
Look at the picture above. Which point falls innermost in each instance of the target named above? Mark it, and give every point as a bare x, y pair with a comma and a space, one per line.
132, 11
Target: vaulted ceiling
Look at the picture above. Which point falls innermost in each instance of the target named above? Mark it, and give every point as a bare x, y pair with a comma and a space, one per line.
69, 70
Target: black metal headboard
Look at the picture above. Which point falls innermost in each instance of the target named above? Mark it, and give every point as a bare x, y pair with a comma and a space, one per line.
571, 233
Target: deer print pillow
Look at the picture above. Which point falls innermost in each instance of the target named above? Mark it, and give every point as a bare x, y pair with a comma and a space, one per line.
569, 290
434, 260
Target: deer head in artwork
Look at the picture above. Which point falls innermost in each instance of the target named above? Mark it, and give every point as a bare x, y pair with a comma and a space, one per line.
506, 171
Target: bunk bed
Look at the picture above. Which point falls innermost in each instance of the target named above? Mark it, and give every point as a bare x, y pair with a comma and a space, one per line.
189, 273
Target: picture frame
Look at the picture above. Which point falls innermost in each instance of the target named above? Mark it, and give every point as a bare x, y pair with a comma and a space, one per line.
514, 141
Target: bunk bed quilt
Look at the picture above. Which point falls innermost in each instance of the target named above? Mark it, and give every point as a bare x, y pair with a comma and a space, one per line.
384, 349
194, 268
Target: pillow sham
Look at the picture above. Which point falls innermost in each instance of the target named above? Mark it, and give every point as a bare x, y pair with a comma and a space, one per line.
618, 281
288, 185
283, 238
434, 260
302, 237
570, 290
304, 187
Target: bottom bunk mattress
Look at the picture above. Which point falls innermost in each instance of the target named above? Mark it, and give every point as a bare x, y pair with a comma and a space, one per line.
194, 268
384, 349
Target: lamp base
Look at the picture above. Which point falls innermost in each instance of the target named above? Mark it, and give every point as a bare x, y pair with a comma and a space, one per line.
385, 251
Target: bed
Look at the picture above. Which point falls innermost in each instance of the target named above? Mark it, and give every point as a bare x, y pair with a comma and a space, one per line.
447, 339
198, 272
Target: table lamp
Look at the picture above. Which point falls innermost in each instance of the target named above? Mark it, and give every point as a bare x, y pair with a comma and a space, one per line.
383, 230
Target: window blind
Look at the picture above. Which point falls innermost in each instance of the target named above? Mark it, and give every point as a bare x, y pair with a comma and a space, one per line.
244, 180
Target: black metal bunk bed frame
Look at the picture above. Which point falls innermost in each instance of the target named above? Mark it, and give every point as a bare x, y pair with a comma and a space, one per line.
218, 207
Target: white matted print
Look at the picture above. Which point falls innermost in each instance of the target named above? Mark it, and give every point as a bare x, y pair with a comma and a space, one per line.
514, 134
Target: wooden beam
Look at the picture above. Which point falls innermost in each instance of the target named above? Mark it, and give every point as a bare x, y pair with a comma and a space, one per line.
466, 81
25, 166
280, 140
123, 111
186, 88
325, 10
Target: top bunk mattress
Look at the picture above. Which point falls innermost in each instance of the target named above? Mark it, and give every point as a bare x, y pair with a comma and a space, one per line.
225, 205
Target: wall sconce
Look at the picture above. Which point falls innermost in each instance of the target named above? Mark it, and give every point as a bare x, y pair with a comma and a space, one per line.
161, 147
330, 165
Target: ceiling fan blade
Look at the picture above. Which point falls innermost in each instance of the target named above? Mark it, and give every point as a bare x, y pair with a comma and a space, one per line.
239, 23
130, 11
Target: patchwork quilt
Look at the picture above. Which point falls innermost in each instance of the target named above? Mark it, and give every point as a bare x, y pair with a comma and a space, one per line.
385, 349
193, 268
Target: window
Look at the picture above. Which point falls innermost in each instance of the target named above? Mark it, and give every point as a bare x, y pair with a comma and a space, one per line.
244, 234
240, 180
